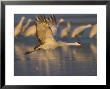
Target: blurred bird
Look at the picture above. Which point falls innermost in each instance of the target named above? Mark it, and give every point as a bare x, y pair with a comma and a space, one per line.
19, 26
93, 31
31, 31
26, 25
45, 35
66, 30
79, 30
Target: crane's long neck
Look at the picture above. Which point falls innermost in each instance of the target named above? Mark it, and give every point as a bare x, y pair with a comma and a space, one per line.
26, 25
87, 26
21, 21
71, 44
68, 44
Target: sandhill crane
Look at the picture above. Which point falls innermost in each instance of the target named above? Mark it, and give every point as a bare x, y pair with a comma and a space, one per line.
66, 30
31, 31
45, 35
93, 31
19, 26
79, 29
26, 25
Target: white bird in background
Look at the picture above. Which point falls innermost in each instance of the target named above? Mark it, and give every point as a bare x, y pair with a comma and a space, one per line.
31, 31
45, 35
93, 31
19, 26
26, 25
79, 29
65, 31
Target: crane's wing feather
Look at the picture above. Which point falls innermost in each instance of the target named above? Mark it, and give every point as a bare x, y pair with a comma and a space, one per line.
43, 28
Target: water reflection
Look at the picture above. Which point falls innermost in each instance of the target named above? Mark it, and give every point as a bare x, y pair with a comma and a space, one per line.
19, 52
20, 49
93, 48
65, 60
83, 54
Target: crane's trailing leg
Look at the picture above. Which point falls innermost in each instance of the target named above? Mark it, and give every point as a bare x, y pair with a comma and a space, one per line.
35, 49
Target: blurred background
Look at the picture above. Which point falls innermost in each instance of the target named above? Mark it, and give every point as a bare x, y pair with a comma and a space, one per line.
62, 61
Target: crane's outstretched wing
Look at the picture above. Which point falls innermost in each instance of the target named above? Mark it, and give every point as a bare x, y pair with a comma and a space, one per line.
43, 28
